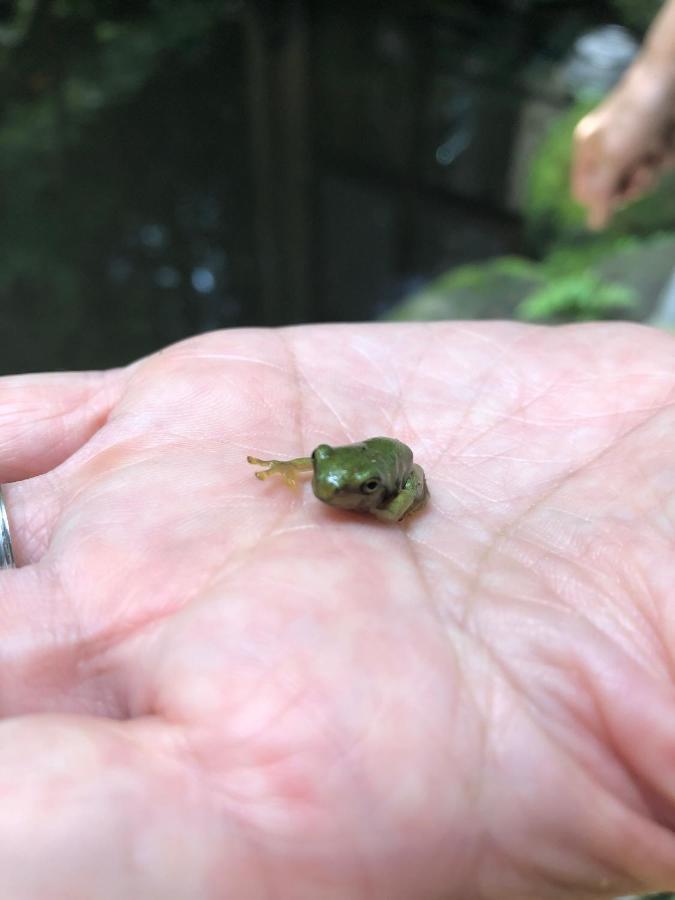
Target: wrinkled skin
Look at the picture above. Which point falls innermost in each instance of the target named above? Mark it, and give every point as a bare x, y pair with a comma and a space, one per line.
213, 688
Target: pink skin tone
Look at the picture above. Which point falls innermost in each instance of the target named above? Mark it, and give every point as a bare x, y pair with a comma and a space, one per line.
217, 688
625, 145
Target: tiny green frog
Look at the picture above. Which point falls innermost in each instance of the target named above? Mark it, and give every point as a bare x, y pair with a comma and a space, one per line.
377, 476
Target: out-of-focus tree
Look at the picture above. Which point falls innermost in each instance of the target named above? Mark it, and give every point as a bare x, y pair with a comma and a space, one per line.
99, 218
637, 14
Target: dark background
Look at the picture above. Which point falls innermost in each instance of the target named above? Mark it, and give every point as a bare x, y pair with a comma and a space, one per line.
168, 167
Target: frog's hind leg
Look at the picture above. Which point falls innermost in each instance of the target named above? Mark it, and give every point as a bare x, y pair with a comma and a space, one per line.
412, 496
288, 469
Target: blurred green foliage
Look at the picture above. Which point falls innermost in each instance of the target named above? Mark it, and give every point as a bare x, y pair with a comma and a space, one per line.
605, 277
582, 297
488, 290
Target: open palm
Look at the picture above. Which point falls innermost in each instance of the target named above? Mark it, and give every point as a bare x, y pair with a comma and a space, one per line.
216, 688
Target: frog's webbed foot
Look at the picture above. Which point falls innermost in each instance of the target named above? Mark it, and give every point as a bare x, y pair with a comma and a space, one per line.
287, 469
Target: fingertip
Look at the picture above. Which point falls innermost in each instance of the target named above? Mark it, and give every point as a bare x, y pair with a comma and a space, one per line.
578, 185
597, 219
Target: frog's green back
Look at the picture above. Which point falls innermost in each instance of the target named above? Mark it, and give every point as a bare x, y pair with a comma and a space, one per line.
393, 456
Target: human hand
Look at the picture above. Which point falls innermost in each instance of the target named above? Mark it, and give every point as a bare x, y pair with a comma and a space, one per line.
624, 146
216, 688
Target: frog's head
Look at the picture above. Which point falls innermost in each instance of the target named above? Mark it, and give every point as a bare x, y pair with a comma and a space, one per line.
348, 477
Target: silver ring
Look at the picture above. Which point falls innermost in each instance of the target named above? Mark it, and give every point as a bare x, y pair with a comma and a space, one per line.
6, 552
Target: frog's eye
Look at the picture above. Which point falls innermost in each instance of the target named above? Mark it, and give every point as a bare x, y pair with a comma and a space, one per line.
323, 451
368, 487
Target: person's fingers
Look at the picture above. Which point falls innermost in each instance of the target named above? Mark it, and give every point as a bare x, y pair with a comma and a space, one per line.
645, 176
37, 638
32, 507
596, 186
593, 182
599, 213
583, 162
638, 182
45, 418
97, 808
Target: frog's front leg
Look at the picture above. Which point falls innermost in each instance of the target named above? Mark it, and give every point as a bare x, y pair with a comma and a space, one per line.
412, 496
287, 469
